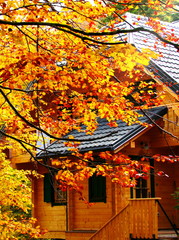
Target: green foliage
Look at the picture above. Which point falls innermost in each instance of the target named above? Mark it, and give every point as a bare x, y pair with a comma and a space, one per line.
165, 13
176, 196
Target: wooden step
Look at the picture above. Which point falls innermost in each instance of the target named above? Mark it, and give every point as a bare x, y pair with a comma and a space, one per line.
168, 238
167, 235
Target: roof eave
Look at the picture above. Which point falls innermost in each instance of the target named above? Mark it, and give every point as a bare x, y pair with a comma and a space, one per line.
135, 134
70, 153
162, 77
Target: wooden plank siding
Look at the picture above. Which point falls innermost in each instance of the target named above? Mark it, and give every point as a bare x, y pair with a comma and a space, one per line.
51, 218
168, 137
18, 157
164, 187
77, 220
78, 235
85, 217
116, 228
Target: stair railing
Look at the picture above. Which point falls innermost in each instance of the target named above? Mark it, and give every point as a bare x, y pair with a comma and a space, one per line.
169, 220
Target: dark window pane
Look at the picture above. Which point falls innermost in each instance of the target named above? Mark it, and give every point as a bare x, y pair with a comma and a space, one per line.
48, 188
97, 189
52, 193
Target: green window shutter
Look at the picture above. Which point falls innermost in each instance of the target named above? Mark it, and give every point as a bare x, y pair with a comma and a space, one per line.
48, 188
97, 189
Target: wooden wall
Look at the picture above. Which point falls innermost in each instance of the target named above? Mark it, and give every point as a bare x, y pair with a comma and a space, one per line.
18, 157
85, 217
164, 187
51, 218
78, 235
166, 144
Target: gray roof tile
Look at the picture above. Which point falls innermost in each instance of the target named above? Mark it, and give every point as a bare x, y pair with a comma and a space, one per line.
168, 63
119, 136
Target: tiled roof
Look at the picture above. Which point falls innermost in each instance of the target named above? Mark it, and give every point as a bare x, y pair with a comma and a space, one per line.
115, 137
166, 68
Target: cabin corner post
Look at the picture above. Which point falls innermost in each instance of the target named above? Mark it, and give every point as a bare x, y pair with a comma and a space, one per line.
33, 196
114, 196
69, 211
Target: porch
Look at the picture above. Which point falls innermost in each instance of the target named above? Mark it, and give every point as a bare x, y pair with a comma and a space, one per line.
137, 220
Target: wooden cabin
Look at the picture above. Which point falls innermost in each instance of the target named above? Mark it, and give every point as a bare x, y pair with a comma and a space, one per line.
119, 213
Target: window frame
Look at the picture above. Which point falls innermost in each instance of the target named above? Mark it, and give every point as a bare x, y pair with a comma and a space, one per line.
50, 190
149, 183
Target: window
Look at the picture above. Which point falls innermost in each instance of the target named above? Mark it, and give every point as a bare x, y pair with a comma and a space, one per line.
145, 188
141, 189
52, 193
59, 195
97, 188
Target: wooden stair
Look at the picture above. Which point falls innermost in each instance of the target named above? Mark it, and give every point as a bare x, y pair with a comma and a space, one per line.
167, 235
137, 220
162, 235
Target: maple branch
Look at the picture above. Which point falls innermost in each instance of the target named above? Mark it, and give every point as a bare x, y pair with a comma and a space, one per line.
24, 6
76, 32
39, 162
23, 143
28, 90
69, 8
170, 121
95, 163
50, 5
87, 38
45, 132
35, 41
19, 140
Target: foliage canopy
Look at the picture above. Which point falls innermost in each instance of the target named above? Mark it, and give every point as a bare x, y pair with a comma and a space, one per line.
58, 71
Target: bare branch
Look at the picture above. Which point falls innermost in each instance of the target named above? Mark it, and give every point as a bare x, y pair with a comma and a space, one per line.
19, 140
39, 162
162, 129
35, 41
